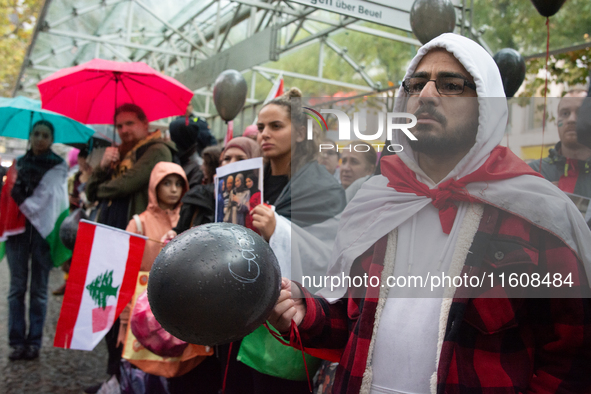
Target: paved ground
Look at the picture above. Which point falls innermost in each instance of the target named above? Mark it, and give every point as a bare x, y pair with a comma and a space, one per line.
59, 371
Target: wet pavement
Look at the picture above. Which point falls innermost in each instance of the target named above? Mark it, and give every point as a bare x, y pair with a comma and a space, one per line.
59, 371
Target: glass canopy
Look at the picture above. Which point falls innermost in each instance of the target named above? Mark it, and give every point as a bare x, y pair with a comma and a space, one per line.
319, 50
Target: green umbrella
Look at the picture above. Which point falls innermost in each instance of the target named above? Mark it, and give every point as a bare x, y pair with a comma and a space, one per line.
19, 114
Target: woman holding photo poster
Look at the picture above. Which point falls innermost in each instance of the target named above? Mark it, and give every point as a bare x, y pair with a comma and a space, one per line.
305, 197
199, 203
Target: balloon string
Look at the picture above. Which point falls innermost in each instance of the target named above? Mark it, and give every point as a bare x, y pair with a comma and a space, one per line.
294, 328
226, 371
298, 342
545, 89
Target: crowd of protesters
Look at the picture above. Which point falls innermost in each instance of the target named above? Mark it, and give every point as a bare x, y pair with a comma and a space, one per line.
405, 213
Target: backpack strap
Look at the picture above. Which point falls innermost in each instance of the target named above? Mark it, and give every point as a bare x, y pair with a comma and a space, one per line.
138, 224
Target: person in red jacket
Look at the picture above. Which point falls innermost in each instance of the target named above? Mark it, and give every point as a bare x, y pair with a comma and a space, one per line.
452, 204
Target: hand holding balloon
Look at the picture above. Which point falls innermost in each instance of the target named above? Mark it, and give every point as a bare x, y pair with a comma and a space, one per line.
290, 306
263, 219
214, 284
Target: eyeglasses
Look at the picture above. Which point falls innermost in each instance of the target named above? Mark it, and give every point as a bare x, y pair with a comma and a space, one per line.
446, 86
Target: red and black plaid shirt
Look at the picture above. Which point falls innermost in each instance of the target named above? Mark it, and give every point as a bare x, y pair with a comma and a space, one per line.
507, 344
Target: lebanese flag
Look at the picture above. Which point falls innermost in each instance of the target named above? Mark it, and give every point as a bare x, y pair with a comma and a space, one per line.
102, 280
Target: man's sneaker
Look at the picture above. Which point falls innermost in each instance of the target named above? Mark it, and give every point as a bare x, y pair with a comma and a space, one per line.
18, 353
31, 353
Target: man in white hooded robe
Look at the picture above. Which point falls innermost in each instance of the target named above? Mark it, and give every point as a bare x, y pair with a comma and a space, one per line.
454, 203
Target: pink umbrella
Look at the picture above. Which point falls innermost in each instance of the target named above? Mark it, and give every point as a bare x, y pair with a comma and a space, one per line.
91, 91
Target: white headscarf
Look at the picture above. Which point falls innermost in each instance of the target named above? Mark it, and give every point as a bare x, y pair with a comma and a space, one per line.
378, 209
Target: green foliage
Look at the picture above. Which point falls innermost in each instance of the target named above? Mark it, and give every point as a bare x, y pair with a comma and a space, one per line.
382, 59
101, 288
518, 25
571, 68
17, 20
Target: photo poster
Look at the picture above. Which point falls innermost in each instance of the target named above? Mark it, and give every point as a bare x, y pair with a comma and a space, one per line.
238, 189
583, 204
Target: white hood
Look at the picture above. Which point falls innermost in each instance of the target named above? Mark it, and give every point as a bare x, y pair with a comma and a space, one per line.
493, 112
378, 209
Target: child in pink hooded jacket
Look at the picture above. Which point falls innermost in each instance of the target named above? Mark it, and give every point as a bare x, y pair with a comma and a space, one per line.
168, 184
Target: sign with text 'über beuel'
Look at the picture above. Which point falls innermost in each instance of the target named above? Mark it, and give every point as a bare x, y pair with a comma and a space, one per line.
101, 282
384, 12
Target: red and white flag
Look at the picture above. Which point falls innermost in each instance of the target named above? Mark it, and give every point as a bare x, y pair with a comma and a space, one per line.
276, 90
229, 132
101, 282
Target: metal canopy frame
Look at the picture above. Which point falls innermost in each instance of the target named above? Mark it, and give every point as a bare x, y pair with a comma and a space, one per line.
175, 35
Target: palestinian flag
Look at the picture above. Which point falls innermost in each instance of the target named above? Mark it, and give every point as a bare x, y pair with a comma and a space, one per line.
102, 280
45, 206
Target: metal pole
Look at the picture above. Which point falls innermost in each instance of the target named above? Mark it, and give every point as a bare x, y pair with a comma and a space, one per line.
321, 59
116, 74
217, 26
253, 81
252, 21
471, 15
129, 20
463, 16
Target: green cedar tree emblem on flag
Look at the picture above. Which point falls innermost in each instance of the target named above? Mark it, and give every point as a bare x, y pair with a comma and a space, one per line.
101, 288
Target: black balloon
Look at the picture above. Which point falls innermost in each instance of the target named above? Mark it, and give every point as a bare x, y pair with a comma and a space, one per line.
214, 284
512, 68
431, 18
69, 228
229, 94
548, 7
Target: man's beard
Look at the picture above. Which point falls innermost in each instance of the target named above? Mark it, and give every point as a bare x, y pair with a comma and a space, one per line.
126, 147
449, 143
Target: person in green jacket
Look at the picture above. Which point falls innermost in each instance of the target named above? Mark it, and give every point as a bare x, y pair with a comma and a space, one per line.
120, 185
